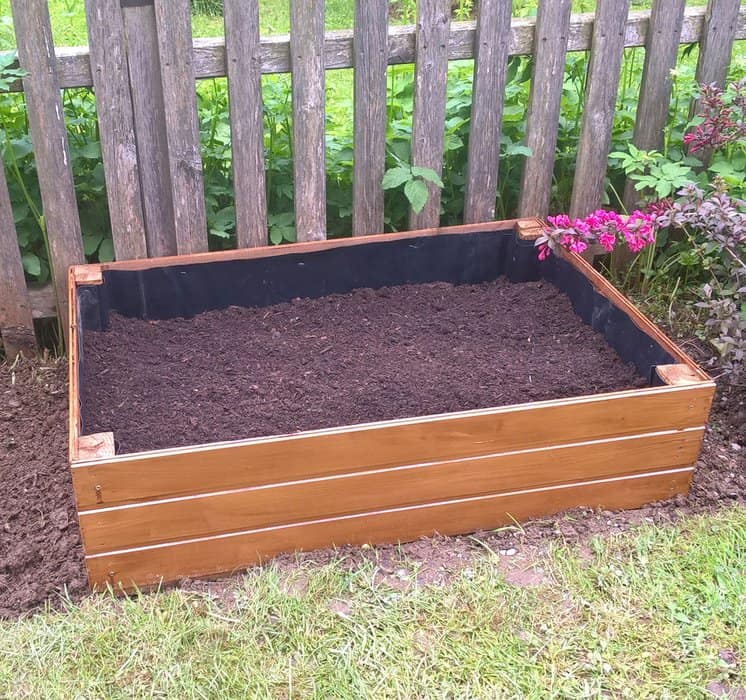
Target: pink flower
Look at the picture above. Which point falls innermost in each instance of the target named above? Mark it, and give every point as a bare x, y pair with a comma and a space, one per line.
607, 240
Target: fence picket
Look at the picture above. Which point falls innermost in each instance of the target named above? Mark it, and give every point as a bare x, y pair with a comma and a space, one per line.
309, 166
51, 151
491, 47
661, 53
429, 110
370, 46
550, 49
174, 24
149, 114
716, 41
114, 109
607, 47
243, 61
16, 322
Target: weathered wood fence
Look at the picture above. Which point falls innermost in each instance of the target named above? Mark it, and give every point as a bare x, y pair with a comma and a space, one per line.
143, 62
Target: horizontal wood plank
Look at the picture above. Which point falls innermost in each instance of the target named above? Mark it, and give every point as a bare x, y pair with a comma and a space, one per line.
261, 461
122, 527
73, 64
227, 553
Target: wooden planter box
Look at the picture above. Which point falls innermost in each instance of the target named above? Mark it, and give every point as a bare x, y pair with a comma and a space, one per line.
166, 514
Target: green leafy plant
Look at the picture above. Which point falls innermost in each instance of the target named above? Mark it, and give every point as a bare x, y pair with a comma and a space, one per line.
414, 180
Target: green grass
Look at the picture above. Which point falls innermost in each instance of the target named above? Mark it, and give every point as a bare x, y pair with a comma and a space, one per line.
648, 614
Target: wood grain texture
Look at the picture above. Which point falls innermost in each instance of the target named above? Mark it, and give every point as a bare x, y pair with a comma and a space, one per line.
370, 59
116, 127
547, 79
49, 137
309, 164
236, 551
716, 40
146, 91
247, 120
73, 365
599, 106
73, 67
429, 108
107, 529
661, 56
492, 43
174, 25
16, 322
262, 461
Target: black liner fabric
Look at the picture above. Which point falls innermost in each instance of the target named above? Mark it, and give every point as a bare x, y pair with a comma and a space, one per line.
191, 289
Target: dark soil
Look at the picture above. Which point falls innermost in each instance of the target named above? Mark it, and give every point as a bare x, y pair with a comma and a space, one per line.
366, 356
41, 556
40, 551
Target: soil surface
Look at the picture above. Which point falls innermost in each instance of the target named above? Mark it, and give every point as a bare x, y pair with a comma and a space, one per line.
369, 355
41, 559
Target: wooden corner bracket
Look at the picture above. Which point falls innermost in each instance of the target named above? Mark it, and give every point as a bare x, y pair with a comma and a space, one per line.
529, 229
87, 274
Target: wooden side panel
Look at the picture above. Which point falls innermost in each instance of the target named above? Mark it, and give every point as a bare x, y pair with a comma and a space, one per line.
174, 24
114, 111
598, 108
16, 323
247, 120
51, 151
247, 509
490, 63
149, 119
429, 109
343, 450
233, 552
309, 165
661, 54
371, 58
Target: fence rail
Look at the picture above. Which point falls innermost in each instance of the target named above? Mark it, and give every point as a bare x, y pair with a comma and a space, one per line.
143, 64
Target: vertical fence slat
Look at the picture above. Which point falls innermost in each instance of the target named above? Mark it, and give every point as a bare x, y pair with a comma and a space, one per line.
243, 60
661, 54
174, 23
370, 58
716, 43
550, 49
491, 47
16, 322
51, 151
607, 47
309, 166
114, 110
149, 112
430, 91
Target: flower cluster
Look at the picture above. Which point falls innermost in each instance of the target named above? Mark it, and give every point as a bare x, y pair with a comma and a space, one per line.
723, 118
604, 228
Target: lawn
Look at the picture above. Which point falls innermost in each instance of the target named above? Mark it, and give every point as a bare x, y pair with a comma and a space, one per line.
658, 612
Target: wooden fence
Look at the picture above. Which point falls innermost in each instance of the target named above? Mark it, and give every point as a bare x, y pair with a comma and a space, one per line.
143, 62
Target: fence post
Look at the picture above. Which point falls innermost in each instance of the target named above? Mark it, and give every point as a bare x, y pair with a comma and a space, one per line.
430, 92
146, 91
491, 47
114, 111
47, 126
174, 24
370, 59
16, 322
550, 49
244, 69
661, 53
309, 164
607, 48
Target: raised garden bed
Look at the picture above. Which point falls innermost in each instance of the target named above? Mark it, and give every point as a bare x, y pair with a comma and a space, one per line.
608, 414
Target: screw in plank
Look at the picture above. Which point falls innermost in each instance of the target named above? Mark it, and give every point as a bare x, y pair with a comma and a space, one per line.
99, 497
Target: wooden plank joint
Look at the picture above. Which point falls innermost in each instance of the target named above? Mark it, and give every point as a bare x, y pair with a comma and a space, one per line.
95, 446
87, 274
529, 229
678, 375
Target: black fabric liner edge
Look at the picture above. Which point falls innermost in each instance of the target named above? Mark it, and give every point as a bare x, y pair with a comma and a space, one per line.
463, 258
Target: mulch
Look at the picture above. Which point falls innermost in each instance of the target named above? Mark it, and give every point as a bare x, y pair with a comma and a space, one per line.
41, 559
